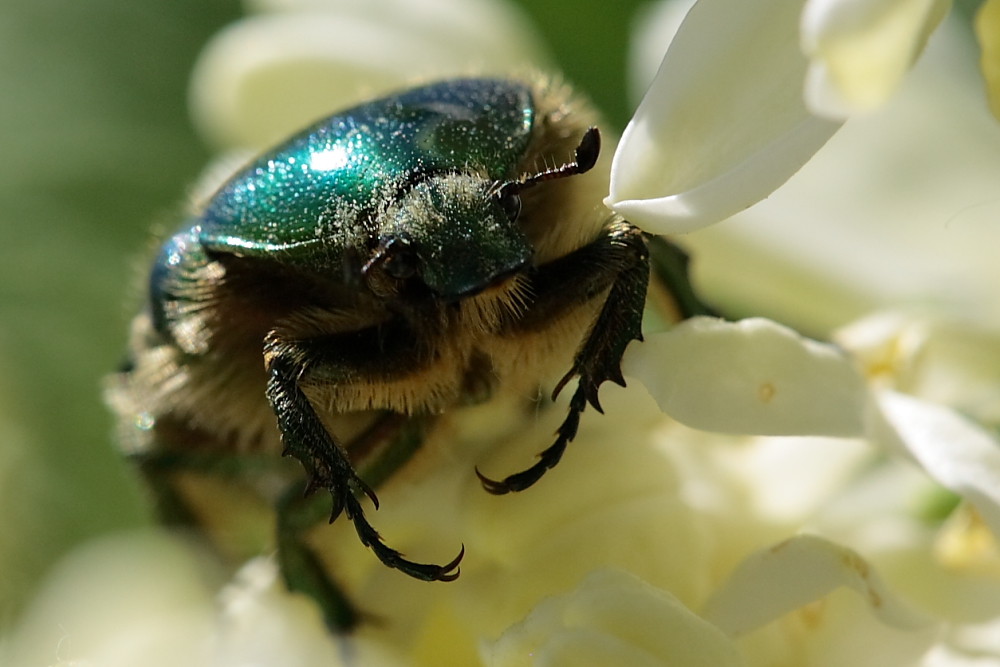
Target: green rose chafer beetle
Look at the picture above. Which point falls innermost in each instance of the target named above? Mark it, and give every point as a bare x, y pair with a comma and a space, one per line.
386, 265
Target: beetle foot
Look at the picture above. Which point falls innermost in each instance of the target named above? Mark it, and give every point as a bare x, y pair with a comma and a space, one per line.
548, 458
391, 557
345, 499
599, 358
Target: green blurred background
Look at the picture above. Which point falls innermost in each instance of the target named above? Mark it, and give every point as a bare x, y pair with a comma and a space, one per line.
95, 147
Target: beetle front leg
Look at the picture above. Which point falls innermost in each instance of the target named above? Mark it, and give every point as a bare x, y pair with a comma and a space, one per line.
619, 258
326, 461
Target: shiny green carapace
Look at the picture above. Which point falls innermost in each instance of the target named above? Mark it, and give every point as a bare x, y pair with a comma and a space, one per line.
291, 201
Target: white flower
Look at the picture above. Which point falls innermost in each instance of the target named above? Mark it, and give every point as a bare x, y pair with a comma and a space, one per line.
720, 127
859, 50
899, 205
747, 92
665, 503
153, 600
613, 619
293, 61
752, 377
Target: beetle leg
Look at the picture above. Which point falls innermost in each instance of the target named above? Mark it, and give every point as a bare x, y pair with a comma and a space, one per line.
619, 258
395, 438
325, 460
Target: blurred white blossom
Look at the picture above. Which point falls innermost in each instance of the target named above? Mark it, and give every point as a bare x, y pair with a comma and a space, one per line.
292, 61
859, 51
613, 619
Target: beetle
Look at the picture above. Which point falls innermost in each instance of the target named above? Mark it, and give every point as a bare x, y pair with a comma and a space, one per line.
383, 266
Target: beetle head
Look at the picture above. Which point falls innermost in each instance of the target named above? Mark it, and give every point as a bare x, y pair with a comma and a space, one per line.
453, 233
457, 233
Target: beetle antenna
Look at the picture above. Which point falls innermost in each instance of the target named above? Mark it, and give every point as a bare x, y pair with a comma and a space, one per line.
585, 159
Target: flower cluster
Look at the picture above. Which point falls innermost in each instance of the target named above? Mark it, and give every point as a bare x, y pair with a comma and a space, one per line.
754, 497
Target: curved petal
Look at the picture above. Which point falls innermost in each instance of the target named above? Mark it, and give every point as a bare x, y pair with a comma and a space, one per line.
780, 579
752, 377
859, 51
954, 451
653, 28
877, 218
126, 600
270, 74
491, 28
150, 599
723, 123
613, 618
262, 623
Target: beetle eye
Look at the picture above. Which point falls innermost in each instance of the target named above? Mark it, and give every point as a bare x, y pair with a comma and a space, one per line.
510, 202
400, 260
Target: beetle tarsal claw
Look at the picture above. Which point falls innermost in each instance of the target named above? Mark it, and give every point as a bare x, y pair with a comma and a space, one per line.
312, 486
365, 489
338, 506
548, 458
493, 486
391, 557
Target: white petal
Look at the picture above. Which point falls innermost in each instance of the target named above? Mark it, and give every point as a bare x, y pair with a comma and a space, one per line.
753, 377
953, 362
612, 618
907, 222
262, 623
789, 479
493, 28
268, 75
860, 50
118, 602
957, 453
775, 581
653, 28
149, 599
969, 646
723, 123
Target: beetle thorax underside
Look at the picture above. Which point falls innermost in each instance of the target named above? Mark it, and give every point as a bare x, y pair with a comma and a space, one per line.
454, 241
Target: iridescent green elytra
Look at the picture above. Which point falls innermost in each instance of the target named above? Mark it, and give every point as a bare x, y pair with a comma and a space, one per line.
382, 267
295, 200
